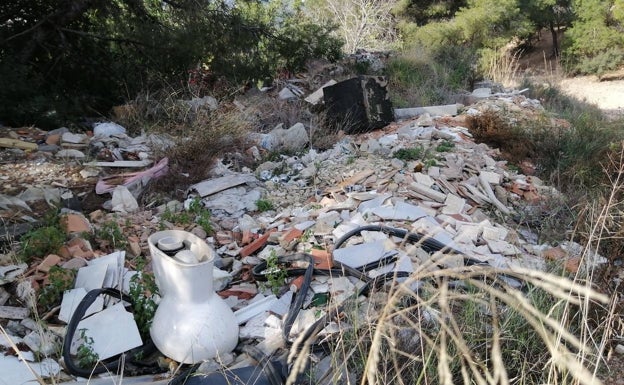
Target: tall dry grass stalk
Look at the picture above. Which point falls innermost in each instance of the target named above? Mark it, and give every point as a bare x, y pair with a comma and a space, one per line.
502, 67
475, 324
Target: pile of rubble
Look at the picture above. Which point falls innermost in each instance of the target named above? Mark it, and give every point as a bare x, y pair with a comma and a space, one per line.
423, 174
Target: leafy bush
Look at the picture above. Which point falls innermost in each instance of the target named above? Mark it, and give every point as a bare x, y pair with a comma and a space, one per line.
41, 242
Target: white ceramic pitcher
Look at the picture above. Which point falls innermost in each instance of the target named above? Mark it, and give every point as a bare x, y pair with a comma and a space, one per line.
192, 323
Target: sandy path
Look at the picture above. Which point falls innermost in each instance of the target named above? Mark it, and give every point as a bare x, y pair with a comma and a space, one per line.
608, 95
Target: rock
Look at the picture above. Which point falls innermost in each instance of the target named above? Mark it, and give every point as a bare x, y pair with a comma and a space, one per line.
13, 312
108, 129
42, 342
70, 154
207, 102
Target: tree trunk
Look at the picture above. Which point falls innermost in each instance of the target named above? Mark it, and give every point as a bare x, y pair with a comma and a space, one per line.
555, 41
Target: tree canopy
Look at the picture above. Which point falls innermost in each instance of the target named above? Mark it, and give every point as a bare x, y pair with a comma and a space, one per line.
74, 57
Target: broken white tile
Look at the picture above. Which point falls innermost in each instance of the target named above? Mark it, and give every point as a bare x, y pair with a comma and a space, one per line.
254, 328
303, 226
113, 331
453, 204
373, 203
340, 288
423, 179
491, 177
319, 287
282, 305
430, 227
71, 300
468, 232
494, 233
14, 371
254, 308
401, 211
502, 247
304, 319
43, 342
114, 270
403, 264
360, 255
91, 277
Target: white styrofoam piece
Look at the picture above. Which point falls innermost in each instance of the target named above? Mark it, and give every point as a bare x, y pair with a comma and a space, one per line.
71, 300
360, 255
113, 331
91, 277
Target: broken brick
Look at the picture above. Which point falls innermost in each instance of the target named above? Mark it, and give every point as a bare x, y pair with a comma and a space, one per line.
322, 259
48, 262
255, 245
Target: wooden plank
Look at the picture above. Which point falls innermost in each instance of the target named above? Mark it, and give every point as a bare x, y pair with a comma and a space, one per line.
16, 143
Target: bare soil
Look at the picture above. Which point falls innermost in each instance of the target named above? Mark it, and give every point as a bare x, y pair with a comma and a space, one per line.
538, 63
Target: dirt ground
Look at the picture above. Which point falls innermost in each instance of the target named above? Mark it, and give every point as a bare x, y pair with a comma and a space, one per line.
539, 64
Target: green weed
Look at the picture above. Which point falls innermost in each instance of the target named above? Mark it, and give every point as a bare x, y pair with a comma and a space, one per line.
111, 234
264, 205
59, 280
41, 242
407, 154
143, 291
85, 354
276, 274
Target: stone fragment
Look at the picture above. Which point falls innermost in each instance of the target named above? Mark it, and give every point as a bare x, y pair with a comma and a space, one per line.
42, 342
70, 154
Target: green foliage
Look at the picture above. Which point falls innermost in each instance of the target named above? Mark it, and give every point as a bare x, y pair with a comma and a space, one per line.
59, 280
445, 146
276, 274
143, 291
111, 234
62, 60
595, 42
407, 154
264, 205
41, 242
85, 354
196, 213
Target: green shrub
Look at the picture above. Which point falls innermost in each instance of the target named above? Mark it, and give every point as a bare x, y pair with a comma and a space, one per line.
41, 242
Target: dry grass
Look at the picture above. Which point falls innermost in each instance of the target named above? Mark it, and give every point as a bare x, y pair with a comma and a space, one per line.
466, 325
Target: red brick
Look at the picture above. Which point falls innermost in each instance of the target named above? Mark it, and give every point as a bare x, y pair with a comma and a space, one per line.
48, 262
322, 259
255, 245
